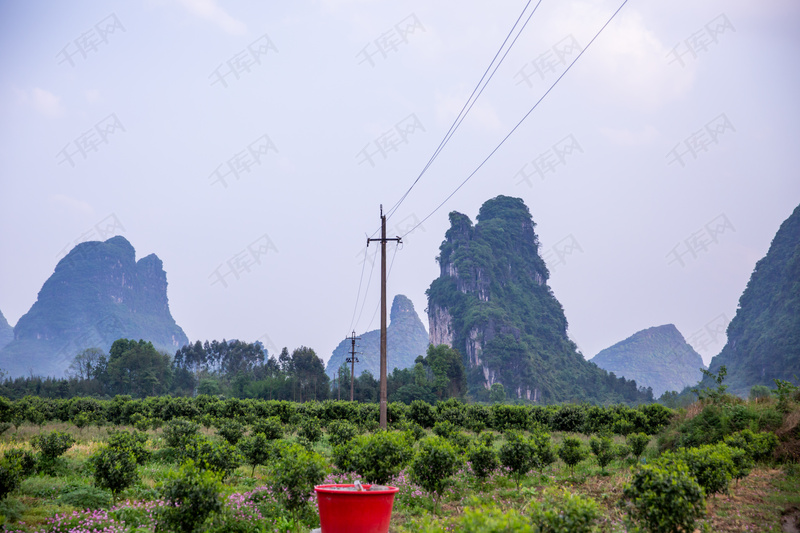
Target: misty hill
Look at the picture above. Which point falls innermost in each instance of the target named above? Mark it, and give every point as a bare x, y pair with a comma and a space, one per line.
492, 303
656, 357
764, 336
97, 294
6, 331
406, 339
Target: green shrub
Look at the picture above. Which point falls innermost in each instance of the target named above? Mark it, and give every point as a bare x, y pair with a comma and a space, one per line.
310, 429
487, 520
638, 443
179, 432
377, 457
24, 459
482, 459
568, 418
10, 477
518, 454
711, 465
294, 474
114, 469
664, 498
563, 512
543, 450
271, 427
52, 445
256, 450
341, 432
131, 442
435, 463
422, 413
232, 431
444, 429
604, 451
193, 496
760, 392
572, 452
86, 498
221, 457
759, 446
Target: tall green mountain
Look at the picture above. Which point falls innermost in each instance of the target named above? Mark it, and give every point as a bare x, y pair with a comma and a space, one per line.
764, 336
492, 303
6, 331
97, 294
657, 357
406, 339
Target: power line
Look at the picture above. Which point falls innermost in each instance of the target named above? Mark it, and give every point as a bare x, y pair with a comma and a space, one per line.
471, 100
520, 122
358, 294
366, 291
387, 279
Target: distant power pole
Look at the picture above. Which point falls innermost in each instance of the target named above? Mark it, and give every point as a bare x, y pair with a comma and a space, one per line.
353, 360
383, 240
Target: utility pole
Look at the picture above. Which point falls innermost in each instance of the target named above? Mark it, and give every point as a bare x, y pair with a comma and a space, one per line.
383, 240
353, 360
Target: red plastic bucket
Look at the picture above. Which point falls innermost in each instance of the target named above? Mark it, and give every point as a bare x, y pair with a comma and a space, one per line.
351, 511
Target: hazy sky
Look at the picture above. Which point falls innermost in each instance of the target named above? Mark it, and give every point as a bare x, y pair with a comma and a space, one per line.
250, 144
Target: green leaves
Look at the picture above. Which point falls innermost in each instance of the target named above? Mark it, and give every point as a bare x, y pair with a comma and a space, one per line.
294, 474
114, 469
377, 457
665, 498
435, 463
572, 452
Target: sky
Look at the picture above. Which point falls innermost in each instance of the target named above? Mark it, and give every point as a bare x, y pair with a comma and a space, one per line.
250, 146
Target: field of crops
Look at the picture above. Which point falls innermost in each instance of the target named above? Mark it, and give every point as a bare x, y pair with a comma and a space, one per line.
206, 464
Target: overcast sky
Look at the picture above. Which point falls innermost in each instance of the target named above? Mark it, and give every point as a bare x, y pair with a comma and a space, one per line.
250, 144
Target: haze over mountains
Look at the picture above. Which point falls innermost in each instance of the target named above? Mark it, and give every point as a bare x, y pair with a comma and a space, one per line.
657, 357
406, 339
6, 331
97, 294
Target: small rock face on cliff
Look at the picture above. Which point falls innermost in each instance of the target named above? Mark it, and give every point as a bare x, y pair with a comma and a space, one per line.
6, 332
492, 303
97, 294
406, 339
658, 358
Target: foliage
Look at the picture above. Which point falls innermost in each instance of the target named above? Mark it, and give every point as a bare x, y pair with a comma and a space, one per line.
310, 429
132, 442
483, 459
434, 464
604, 450
572, 452
665, 498
114, 469
377, 457
179, 432
294, 474
10, 477
193, 495
219, 457
638, 443
560, 511
86, 497
271, 427
711, 465
53, 444
341, 432
256, 450
518, 454
759, 392
759, 446
232, 431
784, 390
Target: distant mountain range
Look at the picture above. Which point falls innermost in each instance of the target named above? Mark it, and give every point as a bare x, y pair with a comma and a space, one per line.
657, 357
97, 294
764, 337
406, 339
492, 303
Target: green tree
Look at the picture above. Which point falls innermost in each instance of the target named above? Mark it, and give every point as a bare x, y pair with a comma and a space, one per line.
572, 452
497, 394
256, 449
435, 463
114, 469
518, 454
138, 369
294, 474
193, 496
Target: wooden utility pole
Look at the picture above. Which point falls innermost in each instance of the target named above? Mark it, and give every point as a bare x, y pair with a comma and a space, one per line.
353, 360
383, 240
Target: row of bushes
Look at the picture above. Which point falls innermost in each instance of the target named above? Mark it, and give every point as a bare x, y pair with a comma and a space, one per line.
123, 410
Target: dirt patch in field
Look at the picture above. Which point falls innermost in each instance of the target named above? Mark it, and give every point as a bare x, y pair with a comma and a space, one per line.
790, 520
747, 506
